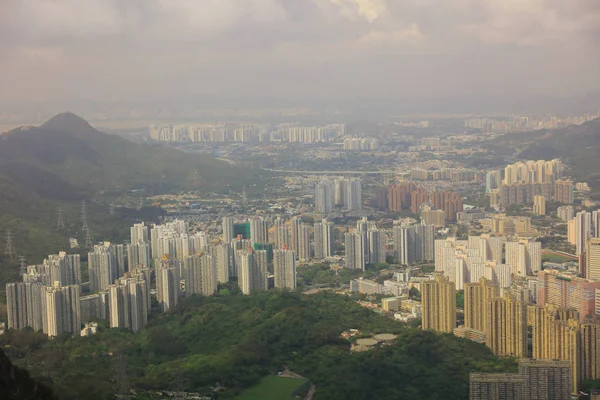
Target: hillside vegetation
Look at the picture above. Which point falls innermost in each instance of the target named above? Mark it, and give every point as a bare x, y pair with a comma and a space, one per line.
231, 342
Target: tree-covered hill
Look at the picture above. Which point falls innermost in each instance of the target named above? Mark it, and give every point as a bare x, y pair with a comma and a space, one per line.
230, 342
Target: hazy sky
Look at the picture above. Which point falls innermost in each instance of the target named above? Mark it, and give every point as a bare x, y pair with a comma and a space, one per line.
298, 49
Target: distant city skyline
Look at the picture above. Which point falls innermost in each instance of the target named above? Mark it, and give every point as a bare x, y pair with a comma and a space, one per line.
485, 54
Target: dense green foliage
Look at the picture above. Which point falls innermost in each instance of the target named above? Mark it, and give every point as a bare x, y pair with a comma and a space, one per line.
234, 341
16, 384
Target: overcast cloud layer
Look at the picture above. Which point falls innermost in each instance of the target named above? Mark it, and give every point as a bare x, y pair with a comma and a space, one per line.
329, 49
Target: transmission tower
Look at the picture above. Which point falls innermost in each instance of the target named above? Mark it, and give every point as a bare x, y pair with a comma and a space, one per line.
88, 239
60, 223
22, 265
244, 197
10, 248
84, 224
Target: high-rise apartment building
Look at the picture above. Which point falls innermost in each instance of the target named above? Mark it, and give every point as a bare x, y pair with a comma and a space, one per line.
24, 305
106, 263
295, 223
303, 249
353, 199
565, 290
546, 379
139, 233
563, 191
259, 230
583, 230
477, 298
284, 266
323, 239
525, 256
413, 243
200, 275
596, 223
168, 283
438, 299
539, 205
128, 303
228, 234
493, 180
324, 197
138, 255
355, 250
496, 387
566, 213
592, 259
506, 333
252, 266
281, 235
64, 268
61, 310
376, 244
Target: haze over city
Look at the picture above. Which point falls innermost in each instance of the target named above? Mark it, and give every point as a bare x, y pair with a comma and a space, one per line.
433, 52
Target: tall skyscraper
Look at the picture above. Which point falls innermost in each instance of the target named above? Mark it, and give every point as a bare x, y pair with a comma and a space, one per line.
304, 252
62, 310
438, 305
252, 268
324, 197
355, 251
167, 284
227, 229
340, 192
477, 298
284, 264
506, 333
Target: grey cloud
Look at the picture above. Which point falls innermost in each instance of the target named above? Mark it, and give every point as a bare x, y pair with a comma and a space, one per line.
129, 48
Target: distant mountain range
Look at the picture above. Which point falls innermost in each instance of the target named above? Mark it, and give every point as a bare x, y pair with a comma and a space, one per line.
578, 145
66, 159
